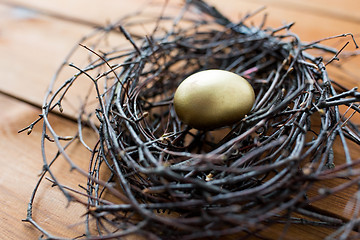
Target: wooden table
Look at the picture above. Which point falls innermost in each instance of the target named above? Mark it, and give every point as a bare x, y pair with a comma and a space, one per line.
35, 36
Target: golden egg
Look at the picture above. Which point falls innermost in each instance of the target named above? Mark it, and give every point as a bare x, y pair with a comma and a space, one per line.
213, 98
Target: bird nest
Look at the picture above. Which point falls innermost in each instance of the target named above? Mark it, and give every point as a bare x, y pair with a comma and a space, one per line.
171, 181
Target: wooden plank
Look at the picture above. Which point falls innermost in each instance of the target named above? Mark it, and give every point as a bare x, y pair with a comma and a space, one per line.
20, 156
100, 12
34, 45
313, 18
21, 162
296, 232
309, 25
340, 203
95, 12
346, 10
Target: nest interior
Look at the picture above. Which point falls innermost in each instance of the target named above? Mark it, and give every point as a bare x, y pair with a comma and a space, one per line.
179, 182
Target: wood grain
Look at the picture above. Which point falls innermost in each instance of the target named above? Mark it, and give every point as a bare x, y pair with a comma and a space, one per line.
21, 156
32, 47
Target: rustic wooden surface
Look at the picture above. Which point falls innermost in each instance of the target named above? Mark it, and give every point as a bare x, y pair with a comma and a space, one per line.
35, 36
